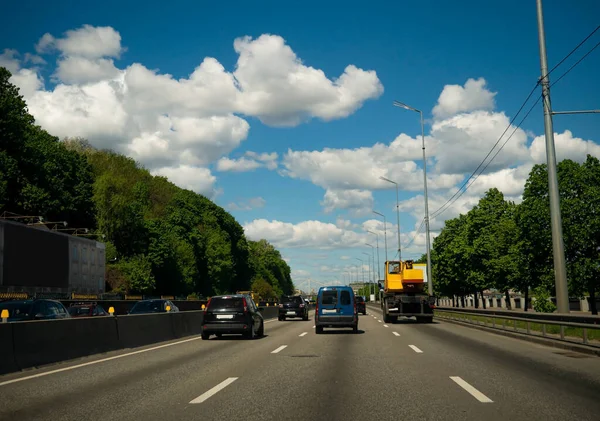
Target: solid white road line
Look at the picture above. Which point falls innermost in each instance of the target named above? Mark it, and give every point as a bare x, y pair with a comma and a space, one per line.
417, 350
474, 392
303, 333
214, 390
385, 326
282, 347
73, 367
396, 333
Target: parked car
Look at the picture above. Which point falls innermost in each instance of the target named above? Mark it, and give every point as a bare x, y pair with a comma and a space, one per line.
232, 314
292, 306
153, 306
336, 307
39, 309
361, 305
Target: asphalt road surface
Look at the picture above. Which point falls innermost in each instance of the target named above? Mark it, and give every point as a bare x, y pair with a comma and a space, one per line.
401, 371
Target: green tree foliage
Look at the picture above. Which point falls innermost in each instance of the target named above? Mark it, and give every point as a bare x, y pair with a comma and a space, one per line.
38, 174
160, 239
503, 246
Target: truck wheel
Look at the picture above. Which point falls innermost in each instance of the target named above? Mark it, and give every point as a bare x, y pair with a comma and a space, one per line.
387, 318
319, 330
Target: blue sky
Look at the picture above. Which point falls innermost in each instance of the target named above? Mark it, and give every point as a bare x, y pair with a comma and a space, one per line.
314, 205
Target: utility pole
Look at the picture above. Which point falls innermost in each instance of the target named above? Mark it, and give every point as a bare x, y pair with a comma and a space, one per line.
560, 271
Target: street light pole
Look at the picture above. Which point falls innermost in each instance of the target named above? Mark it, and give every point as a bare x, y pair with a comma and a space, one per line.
378, 262
397, 215
369, 261
427, 232
384, 232
362, 268
373, 256
560, 271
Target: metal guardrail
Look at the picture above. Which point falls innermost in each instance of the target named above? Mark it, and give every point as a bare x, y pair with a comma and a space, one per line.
530, 325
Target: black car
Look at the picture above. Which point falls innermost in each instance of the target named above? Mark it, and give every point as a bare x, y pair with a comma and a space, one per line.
153, 306
361, 305
232, 314
292, 306
40, 309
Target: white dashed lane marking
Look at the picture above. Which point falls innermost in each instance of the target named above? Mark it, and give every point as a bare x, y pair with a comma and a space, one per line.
281, 348
214, 390
396, 333
303, 333
474, 392
417, 350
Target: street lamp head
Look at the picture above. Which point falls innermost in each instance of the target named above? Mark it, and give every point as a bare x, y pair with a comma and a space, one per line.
406, 107
387, 179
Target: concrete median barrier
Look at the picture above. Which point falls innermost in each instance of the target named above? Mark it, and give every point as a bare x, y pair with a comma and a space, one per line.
144, 329
43, 342
36, 343
7, 354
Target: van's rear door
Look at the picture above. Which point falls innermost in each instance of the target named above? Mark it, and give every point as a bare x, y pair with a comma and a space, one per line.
346, 305
328, 305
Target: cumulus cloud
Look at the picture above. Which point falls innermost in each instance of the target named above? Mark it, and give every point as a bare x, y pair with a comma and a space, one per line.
197, 179
567, 147
252, 203
249, 162
180, 124
359, 201
456, 99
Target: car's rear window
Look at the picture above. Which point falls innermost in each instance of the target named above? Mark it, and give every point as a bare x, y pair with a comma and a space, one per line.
226, 302
329, 297
76, 311
360, 299
292, 300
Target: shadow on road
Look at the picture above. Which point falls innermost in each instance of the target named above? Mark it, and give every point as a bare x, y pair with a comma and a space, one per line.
405, 321
342, 332
233, 337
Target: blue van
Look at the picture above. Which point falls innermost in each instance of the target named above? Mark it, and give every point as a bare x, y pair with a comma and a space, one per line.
336, 307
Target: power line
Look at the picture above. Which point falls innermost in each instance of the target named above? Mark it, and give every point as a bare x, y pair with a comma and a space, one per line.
576, 63
572, 51
466, 184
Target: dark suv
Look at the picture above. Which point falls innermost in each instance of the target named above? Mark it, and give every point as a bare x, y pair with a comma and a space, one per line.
232, 314
361, 305
293, 306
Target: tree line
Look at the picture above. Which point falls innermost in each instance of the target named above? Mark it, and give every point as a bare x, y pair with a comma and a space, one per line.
160, 239
506, 246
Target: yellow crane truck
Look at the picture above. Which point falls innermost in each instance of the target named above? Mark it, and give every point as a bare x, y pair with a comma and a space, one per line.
403, 293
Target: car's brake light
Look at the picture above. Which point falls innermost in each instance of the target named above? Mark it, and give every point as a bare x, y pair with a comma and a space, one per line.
245, 304
280, 305
207, 304
301, 305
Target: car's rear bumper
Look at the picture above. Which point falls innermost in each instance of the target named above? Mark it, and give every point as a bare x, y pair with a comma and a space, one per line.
292, 313
337, 321
231, 328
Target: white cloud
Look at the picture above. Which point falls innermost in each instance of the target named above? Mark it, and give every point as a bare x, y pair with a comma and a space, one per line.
358, 201
281, 91
249, 162
252, 203
197, 179
88, 41
456, 99
9, 60
190, 122
567, 147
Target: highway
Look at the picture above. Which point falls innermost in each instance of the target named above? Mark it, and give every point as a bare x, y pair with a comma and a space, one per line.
408, 371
